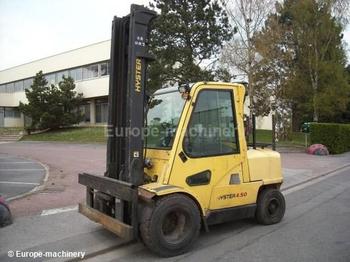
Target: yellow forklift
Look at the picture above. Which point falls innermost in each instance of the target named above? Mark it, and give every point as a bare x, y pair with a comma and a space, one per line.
191, 170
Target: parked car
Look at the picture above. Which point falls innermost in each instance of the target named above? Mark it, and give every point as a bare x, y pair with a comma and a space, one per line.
5, 213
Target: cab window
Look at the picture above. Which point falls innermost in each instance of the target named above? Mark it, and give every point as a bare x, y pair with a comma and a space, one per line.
212, 128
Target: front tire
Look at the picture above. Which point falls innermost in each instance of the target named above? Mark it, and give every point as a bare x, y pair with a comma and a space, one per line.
170, 227
271, 207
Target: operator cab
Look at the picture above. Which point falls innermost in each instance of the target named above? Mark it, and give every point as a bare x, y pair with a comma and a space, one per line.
199, 120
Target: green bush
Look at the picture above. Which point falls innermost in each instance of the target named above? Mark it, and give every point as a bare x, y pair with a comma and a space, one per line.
336, 137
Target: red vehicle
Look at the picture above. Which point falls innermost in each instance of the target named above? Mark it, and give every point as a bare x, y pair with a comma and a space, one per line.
5, 213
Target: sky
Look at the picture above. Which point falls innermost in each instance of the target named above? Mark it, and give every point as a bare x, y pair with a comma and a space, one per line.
33, 29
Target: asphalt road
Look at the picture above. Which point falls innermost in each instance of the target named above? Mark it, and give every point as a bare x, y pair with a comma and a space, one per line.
316, 227
19, 175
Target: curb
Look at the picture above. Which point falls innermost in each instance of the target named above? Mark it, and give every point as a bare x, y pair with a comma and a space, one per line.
106, 250
316, 177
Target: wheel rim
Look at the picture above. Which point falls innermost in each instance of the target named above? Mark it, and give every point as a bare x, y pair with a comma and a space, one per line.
175, 226
273, 207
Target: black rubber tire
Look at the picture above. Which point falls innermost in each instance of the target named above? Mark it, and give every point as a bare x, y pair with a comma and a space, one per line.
271, 206
5, 216
159, 218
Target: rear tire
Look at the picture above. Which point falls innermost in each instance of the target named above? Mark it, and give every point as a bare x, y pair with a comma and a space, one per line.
171, 226
270, 207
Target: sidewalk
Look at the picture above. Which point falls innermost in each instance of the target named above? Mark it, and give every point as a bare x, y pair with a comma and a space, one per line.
68, 231
300, 167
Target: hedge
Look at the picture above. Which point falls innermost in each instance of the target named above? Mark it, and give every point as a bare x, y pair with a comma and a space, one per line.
336, 137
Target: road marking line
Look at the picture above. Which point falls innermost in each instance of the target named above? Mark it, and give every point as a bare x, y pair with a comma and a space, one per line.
19, 183
53, 211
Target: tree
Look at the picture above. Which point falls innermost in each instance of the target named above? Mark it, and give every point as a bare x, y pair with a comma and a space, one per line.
187, 35
344, 117
247, 18
52, 106
70, 101
318, 88
271, 73
301, 61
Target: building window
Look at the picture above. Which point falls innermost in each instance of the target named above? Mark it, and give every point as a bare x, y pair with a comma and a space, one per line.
19, 86
27, 83
80, 73
85, 111
10, 87
59, 76
12, 112
90, 71
101, 112
103, 69
76, 74
51, 78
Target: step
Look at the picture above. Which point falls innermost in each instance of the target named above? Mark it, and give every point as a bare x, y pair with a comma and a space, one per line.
10, 137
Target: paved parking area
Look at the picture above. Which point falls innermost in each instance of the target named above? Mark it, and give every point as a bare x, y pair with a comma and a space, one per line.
67, 160
19, 175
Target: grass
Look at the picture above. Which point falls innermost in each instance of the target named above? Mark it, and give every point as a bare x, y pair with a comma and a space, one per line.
97, 135
74, 135
265, 136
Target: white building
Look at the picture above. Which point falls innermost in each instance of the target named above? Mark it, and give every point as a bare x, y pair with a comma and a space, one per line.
87, 65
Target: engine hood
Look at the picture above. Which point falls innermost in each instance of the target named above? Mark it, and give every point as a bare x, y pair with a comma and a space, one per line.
264, 165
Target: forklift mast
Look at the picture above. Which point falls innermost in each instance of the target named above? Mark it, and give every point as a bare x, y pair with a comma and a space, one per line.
128, 61
112, 199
